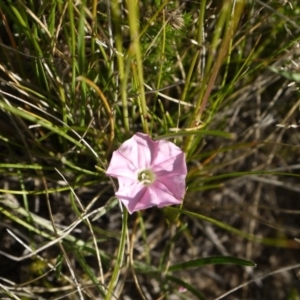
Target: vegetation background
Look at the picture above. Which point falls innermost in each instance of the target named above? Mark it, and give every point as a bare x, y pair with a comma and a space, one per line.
218, 78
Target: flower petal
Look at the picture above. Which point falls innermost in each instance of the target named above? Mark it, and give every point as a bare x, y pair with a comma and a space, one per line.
145, 148
135, 196
174, 185
165, 151
171, 166
165, 195
133, 155
121, 165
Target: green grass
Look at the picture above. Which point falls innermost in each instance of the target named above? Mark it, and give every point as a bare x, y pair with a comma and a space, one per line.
78, 78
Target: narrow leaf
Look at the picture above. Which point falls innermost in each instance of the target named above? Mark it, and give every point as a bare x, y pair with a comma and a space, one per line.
213, 260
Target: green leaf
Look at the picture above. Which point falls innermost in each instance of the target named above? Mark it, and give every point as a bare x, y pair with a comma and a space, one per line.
213, 260
278, 242
286, 74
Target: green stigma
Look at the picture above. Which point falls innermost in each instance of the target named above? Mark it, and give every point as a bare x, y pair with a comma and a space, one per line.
146, 177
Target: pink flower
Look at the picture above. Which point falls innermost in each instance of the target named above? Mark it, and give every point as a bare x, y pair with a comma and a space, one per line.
149, 173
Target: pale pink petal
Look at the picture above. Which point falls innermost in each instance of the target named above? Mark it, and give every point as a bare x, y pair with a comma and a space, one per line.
139, 149
171, 166
125, 183
175, 185
146, 200
134, 154
121, 165
165, 151
135, 196
164, 195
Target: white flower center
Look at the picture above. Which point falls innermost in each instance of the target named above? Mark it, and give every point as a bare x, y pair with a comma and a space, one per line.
146, 177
